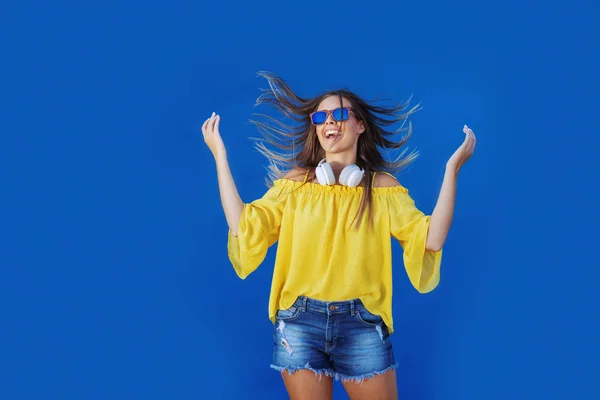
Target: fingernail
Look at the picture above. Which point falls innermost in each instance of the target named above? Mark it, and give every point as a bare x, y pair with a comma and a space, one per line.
213, 114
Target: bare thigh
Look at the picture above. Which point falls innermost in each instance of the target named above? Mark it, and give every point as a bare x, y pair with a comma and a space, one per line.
306, 385
380, 387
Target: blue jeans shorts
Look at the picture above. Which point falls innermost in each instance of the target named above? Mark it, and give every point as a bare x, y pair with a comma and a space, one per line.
342, 340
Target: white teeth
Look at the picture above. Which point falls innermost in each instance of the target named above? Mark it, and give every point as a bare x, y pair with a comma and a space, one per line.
330, 133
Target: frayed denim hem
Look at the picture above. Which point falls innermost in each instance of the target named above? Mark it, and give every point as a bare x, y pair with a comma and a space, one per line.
318, 372
332, 374
361, 378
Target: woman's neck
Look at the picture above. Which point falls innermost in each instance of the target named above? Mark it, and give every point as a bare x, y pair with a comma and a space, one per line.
340, 160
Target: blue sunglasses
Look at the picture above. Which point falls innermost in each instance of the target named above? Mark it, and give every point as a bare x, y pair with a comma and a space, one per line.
339, 114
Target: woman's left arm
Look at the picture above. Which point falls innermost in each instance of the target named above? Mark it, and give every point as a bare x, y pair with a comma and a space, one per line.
441, 218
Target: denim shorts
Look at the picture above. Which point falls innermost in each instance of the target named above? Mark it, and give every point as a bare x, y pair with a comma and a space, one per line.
342, 340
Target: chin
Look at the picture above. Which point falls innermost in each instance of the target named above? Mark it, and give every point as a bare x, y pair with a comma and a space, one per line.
339, 147
337, 150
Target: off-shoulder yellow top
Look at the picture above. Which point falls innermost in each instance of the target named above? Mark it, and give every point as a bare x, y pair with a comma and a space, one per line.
320, 254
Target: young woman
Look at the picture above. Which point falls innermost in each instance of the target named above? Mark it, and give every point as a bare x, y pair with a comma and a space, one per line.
333, 212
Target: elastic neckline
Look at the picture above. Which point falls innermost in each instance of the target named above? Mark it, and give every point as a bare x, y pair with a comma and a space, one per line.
317, 187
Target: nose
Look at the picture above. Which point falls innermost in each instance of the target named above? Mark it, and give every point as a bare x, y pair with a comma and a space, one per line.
330, 120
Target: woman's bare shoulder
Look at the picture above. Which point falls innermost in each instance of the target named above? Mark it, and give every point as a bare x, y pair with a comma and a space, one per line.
384, 179
296, 174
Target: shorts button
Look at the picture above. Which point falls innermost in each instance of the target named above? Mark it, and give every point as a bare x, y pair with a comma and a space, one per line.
332, 308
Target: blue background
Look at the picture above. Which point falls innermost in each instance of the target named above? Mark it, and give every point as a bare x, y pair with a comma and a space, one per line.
115, 281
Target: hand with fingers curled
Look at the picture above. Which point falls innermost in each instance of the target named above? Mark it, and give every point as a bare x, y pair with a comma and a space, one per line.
212, 137
464, 152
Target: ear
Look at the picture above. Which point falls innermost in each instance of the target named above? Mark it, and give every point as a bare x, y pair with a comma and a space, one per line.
361, 127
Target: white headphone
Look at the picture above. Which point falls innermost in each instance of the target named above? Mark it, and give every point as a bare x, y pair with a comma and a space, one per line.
351, 175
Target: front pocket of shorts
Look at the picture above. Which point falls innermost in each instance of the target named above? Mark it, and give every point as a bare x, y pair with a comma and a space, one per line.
367, 317
289, 314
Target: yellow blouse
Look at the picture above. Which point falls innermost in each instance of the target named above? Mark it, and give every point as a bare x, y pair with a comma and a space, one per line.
320, 254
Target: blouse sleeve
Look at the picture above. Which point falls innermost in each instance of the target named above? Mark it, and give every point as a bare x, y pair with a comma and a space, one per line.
410, 227
257, 231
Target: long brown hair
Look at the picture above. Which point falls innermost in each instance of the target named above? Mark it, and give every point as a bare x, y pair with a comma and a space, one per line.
300, 145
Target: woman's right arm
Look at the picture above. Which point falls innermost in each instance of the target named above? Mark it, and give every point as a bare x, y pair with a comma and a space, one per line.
230, 198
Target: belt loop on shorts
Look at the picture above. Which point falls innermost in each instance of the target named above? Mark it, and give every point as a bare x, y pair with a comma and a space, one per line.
303, 303
352, 308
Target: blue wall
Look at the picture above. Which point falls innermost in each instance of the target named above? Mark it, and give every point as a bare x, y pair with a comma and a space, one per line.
115, 279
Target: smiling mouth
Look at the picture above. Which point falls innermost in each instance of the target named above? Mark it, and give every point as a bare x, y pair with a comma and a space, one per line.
332, 134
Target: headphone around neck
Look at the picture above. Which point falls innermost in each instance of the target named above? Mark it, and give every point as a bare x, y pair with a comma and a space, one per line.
351, 175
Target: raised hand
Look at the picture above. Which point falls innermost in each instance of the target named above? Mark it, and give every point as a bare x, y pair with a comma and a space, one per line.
464, 152
212, 137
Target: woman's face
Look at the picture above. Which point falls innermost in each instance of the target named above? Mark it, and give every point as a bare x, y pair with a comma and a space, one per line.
337, 136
